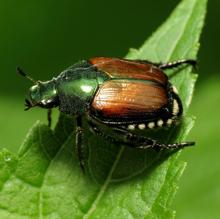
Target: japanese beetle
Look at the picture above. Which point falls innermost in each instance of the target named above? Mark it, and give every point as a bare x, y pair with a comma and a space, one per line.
120, 94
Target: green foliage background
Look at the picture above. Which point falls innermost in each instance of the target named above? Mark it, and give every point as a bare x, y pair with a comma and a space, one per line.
44, 37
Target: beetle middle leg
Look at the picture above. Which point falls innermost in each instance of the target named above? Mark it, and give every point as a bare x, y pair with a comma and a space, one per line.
79, 142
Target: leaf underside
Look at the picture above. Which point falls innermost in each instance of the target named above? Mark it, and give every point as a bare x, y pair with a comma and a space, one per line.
44, 179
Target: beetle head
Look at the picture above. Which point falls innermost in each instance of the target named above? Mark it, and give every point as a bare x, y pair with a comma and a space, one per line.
42, 94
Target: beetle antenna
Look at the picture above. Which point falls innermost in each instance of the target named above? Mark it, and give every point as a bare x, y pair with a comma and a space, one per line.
22, 73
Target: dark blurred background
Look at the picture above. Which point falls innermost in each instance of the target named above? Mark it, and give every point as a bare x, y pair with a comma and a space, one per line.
45, 37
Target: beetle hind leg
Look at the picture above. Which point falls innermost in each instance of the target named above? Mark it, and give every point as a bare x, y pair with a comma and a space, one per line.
177, 63
136, 141
97, 131
145, 143
167, 146
172, 64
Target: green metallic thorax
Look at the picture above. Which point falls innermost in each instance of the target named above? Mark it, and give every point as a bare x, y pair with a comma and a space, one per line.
76, 87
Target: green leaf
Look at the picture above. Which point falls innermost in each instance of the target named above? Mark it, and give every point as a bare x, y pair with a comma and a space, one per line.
207, 159
44, 180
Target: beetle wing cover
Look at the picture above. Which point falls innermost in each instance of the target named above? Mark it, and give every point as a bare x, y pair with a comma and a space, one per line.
129, 98
122, 68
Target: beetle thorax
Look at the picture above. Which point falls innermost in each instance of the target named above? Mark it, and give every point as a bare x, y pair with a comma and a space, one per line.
76, 87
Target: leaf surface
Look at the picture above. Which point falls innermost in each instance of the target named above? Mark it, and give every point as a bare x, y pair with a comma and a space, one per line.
44, 180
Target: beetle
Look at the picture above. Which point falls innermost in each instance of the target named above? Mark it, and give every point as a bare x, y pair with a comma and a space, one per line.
114, 93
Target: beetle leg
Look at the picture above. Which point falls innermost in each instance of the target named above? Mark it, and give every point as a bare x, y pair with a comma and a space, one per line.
177, 63
49, 117
175, 145
79, 142
136, 141
145, 143
100, 133
173, 64
166, 146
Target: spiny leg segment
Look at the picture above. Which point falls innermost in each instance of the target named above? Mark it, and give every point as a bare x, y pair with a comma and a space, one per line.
172, 64
177, 63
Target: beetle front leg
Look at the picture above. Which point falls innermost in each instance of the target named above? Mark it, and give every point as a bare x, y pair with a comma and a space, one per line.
79, 142
49, 117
